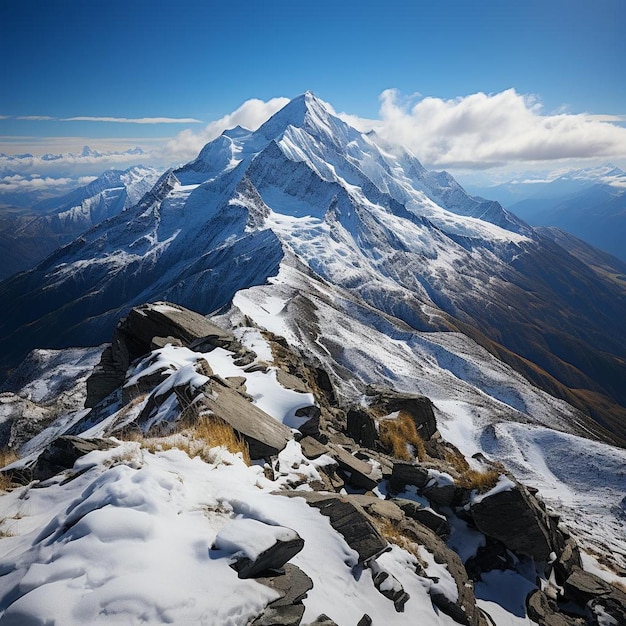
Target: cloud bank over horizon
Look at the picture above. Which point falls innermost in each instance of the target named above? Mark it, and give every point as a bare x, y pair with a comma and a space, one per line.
474, 132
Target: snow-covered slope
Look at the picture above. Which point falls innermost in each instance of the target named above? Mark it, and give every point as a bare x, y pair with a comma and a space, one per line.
369, 220
28, 238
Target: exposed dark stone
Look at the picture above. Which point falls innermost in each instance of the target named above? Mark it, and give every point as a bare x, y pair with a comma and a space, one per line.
491, 556
613, 605
161, 342
408, 474
292, 584
264, 435
419, 408
389, 586
290, 615
62, 453
312, 426
359, 474
366, 620
346, 518
133, 338
544, 611
311, 448
361, 427
569, 558
582, 586
514, 518
443, 495
272, 558
464, 610
437, 523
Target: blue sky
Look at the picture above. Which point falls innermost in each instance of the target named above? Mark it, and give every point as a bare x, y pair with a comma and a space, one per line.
189, 63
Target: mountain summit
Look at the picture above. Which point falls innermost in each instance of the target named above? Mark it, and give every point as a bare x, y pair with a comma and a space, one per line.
330, 217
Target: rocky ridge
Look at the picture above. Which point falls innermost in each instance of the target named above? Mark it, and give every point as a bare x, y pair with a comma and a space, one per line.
384, 476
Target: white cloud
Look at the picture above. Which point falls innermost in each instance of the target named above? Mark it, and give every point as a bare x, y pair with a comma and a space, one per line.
35, 118
483, 130
115, 120
133, 120
251, 114
18, 183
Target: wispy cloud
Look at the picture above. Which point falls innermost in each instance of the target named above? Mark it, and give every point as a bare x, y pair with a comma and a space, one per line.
115, 120
34, 118
485, 130
134, 120
23, 184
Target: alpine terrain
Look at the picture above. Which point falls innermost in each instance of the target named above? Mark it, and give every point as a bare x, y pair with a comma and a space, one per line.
304, 380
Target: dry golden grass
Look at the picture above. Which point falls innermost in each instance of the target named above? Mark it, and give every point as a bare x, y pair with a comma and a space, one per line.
393, 533
215, 432
481, 481
197, 438
7, 456
400, 433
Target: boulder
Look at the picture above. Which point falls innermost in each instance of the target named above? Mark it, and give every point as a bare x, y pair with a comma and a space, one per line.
582, 586
133, 337
389, 586
292, 584
264, 435
513, 517
429, 518
544, 611
62, 453
348, 519
464, 610
361, 427
408, 474
611, 606
366, 620
257, 547
359, 474
384, 401
568, 560
311, 448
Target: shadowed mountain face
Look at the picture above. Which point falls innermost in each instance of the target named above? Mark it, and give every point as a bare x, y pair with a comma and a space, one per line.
364, 218
26, 238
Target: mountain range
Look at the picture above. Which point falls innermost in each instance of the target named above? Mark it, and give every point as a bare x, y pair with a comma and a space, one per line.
588, 203
308, 191
417, 398
28, 237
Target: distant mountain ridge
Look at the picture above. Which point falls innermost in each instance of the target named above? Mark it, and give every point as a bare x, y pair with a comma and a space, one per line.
589, 203
27, 239
397, 245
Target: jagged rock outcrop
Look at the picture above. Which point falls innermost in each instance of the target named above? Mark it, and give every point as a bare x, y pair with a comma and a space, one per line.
348, 520
135, 336
513, 517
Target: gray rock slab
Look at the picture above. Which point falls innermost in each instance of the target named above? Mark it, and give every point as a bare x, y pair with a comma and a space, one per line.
62, 453
292, 584
513, 518
272, 558
360, 474
348, 519
264, 435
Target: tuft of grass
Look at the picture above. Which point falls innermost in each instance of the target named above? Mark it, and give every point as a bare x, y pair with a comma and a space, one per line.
393, 533
216, 432
7, 456
196, 439
401, 437
480, 481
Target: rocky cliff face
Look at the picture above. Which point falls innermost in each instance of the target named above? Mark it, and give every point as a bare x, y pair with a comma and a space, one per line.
353, 512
